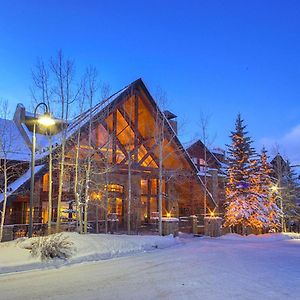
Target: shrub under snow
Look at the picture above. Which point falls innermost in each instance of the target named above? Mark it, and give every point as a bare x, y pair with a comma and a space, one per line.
52, 246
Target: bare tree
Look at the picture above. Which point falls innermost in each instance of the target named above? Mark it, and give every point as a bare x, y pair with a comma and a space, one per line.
90, 90
9, 168
77, 188
3, 152
41, 93
64, 73
163, 138
207, 142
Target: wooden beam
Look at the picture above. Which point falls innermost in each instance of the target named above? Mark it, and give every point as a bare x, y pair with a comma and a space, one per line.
139, 135
148, 200
115, 139
149, 152
136, 135
114, 132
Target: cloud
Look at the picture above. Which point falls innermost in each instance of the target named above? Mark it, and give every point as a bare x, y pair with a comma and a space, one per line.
288, 145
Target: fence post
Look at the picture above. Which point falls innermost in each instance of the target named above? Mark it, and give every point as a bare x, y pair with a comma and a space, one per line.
194, 227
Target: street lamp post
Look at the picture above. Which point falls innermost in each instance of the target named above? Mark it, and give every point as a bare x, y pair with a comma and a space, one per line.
47, 121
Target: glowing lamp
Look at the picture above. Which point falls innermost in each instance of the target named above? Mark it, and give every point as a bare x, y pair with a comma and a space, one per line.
168, 215
274, 188
46, 120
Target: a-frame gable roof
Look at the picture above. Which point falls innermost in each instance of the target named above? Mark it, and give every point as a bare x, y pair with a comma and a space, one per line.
169, 127
198, 148
110, 104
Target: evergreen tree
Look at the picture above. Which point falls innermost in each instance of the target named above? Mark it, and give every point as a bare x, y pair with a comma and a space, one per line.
287, 191
270, 220
243, 205
288, 195
250, 202
240, 154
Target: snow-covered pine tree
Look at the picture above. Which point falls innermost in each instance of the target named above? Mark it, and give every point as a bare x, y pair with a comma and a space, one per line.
290, 192
271, 219
258, 219
244, 208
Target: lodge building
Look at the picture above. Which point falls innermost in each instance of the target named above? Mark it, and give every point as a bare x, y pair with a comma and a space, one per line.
129, 136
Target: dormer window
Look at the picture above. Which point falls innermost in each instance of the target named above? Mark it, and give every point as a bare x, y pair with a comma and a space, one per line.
202, 165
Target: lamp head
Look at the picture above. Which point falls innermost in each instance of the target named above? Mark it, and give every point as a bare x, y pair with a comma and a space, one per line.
274, 188
46, 120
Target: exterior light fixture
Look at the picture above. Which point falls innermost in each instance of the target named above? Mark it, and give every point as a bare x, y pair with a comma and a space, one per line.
47, 121
274, 188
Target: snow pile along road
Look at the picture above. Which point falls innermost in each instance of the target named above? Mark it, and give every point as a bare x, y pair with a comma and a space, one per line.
15, 256
268, 237
231, 267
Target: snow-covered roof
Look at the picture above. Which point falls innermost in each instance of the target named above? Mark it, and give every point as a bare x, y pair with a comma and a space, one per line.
74, 125
217, 150
14, 186
12, 143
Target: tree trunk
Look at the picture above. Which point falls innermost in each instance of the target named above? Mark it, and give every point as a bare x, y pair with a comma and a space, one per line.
97, 217
4, 199
76, 191
129, 194
87, 196
160, 179
50, 187
106, 203
60, 185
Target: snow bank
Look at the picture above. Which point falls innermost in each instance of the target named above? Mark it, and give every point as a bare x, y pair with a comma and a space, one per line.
200, 268
15, 255
104, 246
261, 237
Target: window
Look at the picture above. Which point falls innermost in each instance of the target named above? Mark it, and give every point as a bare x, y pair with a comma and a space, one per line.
115, 188
202, 165
153, 186
46, 183
144, 186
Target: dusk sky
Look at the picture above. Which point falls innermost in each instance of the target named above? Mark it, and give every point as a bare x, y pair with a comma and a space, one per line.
215, 58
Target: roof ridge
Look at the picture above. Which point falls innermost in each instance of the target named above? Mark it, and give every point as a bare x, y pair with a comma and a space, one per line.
97, 105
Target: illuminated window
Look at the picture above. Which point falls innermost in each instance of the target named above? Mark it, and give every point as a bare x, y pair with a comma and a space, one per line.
202, 164
144, 186
46, 183
153, 186
115, 188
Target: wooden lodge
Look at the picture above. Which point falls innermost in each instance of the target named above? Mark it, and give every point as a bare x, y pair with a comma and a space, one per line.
210, 164
131, 141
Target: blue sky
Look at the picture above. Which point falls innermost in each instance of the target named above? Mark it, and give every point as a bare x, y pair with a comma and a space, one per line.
216, 58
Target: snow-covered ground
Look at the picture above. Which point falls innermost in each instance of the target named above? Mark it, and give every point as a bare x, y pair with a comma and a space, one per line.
15, 256
230, 267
